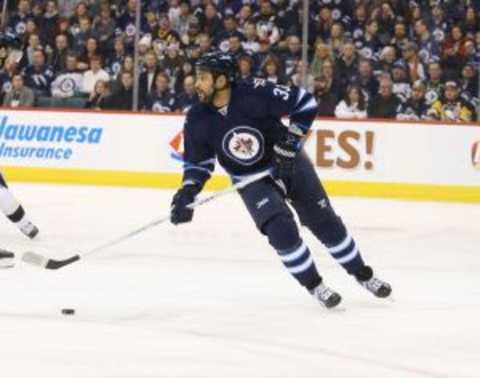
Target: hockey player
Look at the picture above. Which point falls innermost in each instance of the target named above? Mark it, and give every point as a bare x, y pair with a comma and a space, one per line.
14, 211
239, 125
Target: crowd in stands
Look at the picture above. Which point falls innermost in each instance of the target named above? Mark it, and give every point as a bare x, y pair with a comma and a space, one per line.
403, 59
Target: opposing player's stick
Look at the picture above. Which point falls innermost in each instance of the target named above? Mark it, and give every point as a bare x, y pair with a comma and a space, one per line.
37, 259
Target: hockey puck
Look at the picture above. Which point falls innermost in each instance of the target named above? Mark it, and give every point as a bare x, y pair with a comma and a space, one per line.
68, 311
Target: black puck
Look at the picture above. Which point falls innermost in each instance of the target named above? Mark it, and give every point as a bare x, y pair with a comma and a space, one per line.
68, 311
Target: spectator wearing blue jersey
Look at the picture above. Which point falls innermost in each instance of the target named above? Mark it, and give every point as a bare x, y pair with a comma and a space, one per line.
39, 75
161, 99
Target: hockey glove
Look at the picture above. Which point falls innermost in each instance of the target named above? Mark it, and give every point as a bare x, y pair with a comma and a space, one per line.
179, 212
285, 152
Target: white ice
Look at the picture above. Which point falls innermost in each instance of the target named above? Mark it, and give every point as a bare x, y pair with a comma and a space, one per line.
211, 299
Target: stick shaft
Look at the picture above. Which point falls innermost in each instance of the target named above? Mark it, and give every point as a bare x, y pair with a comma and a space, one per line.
239, 185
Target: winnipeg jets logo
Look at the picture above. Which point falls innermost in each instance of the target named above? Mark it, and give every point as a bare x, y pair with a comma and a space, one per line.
244, 145
67, 85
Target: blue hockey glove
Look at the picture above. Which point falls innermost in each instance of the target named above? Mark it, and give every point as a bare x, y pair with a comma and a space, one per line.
179, 212
285, 152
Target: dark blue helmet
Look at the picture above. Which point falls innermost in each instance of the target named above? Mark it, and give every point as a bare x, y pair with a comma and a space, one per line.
218, 63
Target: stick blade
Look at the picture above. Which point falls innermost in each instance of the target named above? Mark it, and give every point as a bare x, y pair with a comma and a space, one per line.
36, 259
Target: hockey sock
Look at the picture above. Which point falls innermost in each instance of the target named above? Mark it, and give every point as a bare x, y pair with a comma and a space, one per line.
347, 255
283, 235
11, 208
334, 235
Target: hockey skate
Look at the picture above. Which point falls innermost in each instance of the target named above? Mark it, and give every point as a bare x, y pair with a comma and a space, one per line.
29, 229
326, 296
377, 287
6, 259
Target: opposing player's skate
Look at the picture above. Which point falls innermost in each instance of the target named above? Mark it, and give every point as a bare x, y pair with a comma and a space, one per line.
28, 229
377, 287
326, 296
6, 259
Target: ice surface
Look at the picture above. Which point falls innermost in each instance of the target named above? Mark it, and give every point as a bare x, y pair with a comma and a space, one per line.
211, 299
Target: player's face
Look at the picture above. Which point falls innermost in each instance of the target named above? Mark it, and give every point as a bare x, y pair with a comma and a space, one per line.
204, 86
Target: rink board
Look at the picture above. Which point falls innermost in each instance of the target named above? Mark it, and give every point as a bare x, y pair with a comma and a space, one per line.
373, 159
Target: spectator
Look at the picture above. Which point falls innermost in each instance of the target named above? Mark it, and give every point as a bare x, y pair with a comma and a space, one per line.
265, 20
429, 49
251, 43
104, 27
33, 44
326, 100
469, 81
365, 79
385, 104
48, 23
59, 55
96, 72
171, 63
161, 100
416, 70
69, 82
401, 82
245, 68
454, 53
188, 97
126, 22
452, 107
322, 53
17, 24
122, 98
99, 96
235, 46
388, 57
20, 95
10, 68
293, 55
337, 38
222, 39
272, 71
180, 23
116, 59
212, 24
164, 35
400, 36
84, 32
435, 83
416, 108
302, 77
148, 75
39, 75
335, 85
347, 64
91, 49
353, 105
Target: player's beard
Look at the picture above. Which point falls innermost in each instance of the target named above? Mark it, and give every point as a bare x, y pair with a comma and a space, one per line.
205, 97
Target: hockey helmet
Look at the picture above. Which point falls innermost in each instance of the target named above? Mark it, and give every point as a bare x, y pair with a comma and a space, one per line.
218, 63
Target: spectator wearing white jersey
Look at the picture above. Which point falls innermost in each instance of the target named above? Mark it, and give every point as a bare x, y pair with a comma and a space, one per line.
96, 72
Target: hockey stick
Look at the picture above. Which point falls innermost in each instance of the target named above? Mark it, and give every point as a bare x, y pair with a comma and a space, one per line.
41, 261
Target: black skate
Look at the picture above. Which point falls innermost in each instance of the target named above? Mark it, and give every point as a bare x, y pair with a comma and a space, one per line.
326, 296
377, 287
29, 229
6, 259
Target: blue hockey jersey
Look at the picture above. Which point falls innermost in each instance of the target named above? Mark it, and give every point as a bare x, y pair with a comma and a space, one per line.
241, 137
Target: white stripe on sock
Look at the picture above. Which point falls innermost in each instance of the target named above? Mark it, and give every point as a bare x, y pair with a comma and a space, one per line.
302, 267
295, 254
349, 257
340, 247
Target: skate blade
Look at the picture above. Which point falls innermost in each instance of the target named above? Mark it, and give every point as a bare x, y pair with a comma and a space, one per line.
7, 263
